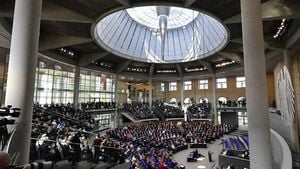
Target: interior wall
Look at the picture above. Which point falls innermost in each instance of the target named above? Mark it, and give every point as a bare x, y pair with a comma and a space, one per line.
122, 88
296, 83
132, 90
231, 92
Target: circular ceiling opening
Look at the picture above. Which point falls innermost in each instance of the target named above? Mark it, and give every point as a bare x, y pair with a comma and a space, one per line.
148, 16
161, 34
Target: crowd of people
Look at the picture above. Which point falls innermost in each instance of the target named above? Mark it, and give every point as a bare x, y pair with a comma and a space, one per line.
167, 111
97, 105
67, 111
230, 103
139, 110
204, 132
159, 110
150, 144
60, 132
200, 110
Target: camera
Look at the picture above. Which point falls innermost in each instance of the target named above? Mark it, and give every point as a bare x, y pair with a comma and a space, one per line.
5, 121
8, 111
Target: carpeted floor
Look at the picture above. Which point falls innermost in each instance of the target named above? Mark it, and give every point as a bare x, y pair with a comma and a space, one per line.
216, 148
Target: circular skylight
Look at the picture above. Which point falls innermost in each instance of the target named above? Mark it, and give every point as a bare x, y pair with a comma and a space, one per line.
161, 34
147, 15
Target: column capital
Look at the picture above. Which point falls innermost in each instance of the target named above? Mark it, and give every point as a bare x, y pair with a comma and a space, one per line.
76, 86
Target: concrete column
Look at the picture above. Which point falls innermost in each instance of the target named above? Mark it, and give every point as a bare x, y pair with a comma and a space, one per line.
214, 98
166, 92
115, 123
287, 59
4, 77
145, 95
182, 98
181, 93
150, 93
21, 72
256, 90
37, 81
76, 87
52, 87
294, 128
196, 88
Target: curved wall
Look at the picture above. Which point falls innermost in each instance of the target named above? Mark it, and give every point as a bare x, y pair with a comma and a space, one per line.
278, 125
281, 152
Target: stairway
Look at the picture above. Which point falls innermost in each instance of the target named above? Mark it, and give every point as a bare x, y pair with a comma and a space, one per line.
129, 116
239, 133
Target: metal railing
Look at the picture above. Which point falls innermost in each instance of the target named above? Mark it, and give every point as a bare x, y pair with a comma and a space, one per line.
60, 115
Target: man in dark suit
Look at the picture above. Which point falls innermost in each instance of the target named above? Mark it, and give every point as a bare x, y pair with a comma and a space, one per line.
210, 156
76, 147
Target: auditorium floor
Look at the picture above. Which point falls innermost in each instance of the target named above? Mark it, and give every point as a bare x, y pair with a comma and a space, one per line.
216, 148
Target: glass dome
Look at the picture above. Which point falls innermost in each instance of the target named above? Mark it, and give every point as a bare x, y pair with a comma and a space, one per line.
160, 34
147, 15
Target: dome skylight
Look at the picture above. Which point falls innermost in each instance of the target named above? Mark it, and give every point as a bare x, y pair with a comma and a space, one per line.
160, 34
147, 15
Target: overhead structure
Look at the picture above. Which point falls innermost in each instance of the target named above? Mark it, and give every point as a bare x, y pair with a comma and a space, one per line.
161, 34
156, 36
163, 13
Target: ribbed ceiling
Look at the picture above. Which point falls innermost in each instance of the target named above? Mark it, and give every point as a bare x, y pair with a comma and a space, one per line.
121, 34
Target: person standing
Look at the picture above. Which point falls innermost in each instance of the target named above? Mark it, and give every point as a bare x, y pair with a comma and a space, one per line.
75, 144
96, 145
210, 156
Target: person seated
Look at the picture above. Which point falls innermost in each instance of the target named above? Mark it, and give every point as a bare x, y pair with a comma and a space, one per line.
197, 155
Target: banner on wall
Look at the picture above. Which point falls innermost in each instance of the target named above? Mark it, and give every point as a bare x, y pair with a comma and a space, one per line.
286, 96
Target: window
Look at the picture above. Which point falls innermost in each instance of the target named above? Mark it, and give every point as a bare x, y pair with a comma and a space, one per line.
240, 82
221, 83
242, 118
95, 87
54, 83
103, 120
203, 84
162, 87
187, 85
173, 86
